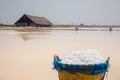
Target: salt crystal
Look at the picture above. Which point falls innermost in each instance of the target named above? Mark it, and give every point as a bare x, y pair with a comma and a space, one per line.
83, 58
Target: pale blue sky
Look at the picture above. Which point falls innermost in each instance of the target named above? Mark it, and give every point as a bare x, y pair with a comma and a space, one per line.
100, 12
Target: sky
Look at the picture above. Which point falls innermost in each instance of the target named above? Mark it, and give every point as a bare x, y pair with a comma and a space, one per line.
89, 12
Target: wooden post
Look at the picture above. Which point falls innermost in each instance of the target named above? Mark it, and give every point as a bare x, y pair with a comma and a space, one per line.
56, 56
108, 59
103, 78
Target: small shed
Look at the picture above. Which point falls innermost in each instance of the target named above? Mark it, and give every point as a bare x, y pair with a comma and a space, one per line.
29, 20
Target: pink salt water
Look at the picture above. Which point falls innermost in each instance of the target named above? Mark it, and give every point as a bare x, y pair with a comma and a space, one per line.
29, 55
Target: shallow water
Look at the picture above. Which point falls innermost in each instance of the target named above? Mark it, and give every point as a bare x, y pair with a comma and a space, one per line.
29, 55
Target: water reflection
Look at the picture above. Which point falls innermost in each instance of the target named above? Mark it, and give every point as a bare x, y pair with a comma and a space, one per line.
26, 36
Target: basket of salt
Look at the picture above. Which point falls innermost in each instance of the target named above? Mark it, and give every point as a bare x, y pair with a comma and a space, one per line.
85, 65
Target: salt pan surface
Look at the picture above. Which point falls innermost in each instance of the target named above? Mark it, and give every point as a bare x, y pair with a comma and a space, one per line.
83, 58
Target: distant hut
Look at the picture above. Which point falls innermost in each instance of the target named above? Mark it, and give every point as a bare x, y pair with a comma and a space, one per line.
29, 20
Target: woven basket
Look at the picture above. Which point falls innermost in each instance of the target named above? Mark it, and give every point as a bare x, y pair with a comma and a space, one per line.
63, 75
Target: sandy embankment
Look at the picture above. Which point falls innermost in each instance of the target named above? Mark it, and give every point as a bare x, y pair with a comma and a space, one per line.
34, 29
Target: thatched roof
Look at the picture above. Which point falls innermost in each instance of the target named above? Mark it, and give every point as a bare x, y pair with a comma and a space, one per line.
39, 20
42, 21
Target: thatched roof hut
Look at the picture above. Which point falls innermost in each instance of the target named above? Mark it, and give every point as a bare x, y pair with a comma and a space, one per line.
29, 20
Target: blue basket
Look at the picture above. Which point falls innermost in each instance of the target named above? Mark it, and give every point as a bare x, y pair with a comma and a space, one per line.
93, 69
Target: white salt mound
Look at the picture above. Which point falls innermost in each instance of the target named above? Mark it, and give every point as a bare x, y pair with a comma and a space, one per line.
83, 58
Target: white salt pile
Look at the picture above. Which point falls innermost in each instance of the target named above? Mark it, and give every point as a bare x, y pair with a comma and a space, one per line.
83, 58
